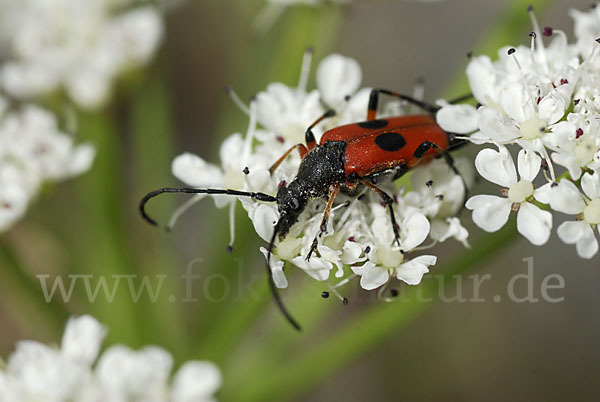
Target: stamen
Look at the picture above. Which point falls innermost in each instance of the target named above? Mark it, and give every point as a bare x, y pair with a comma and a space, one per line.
511, 52
305, 70
250, 132
532, 35
232, 224
236, 100
538, 38
181, 210
334, 291
418, 92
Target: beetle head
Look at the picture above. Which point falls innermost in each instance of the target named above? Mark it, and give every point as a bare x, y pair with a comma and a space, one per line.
291, 201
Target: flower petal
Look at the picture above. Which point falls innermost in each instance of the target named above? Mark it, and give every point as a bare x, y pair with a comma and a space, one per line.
196, 381
529, 164
196, 172
337, 77
580, 233
412, 271
490, 213
496, 166
534, 223
590, 184
414, 230
372, 276
562, 197
82, 338
516, 102
460, 119
496, 126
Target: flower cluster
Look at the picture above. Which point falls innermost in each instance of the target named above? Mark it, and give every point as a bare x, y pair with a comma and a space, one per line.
74, 372
359, 241
544, 99
33, 150
78, 46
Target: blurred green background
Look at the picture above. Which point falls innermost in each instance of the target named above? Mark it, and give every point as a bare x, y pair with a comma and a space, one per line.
368, 350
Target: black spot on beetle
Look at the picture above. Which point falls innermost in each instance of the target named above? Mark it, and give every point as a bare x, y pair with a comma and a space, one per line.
373, 124
390, 141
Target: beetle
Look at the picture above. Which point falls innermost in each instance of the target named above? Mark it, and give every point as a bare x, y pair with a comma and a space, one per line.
346, 158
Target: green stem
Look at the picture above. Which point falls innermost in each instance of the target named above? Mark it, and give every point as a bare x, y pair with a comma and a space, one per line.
25, 300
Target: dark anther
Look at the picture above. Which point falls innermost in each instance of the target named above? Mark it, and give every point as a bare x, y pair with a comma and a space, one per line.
530, 8
469, 55
281, 184
394, 292
252, 98
347, 98
539, 99
325, 295
309, 49
547, 31
593, 6
344, 301
440, 197
367, 249
563, 81
544, 165
511, 50
228, 88
578, 133
554, 184
478, 105
352, 239
598, 40
374, 180
246, 170
532, 34
361, 197
229, 249
280, 139
347, 204
576, 102
429, 183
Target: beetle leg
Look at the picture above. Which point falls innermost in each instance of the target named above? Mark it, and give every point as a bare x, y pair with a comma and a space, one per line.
374, 102
334, 189
389, 201
426, 146
309, 137
301, 150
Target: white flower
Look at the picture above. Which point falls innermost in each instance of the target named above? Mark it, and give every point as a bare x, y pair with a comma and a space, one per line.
491, 212
565, 197
33, 150
386, 259
77, 46
36, 372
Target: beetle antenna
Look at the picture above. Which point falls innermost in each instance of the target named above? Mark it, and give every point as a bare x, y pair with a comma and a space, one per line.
274, 290
257, 196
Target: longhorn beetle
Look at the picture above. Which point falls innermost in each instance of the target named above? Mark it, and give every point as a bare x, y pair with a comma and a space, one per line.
346, 157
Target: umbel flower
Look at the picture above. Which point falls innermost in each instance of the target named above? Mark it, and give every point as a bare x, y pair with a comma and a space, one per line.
33, 151
542, 99
75, 372
359, 238
78, 46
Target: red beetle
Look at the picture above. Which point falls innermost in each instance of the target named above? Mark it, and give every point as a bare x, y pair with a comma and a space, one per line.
347, 157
